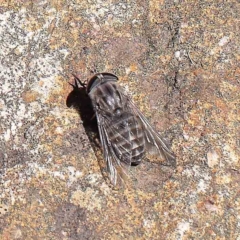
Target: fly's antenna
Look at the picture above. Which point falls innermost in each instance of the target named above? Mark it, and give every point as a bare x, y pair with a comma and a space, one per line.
78, 81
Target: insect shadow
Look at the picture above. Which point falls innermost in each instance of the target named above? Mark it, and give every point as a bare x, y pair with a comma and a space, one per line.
79, 100
151, 141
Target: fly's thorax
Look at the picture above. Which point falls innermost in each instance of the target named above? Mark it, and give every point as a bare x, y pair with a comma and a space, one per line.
107, 98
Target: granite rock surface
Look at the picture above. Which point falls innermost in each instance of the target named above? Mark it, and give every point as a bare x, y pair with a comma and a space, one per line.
179, 62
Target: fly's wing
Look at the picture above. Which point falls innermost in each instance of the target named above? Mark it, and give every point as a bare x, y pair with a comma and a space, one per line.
117, 168
154, 142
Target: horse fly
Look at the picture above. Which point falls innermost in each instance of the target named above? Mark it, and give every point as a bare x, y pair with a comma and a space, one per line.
125, 134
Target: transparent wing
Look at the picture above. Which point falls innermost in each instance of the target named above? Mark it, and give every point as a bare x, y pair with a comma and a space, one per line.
117, 168
154, 142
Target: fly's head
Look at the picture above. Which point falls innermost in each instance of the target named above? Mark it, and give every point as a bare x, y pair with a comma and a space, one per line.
99, 79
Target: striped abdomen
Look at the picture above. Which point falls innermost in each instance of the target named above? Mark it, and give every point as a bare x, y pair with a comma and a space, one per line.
127, 138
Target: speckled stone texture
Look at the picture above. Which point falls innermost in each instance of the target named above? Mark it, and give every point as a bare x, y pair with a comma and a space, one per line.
178, 60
